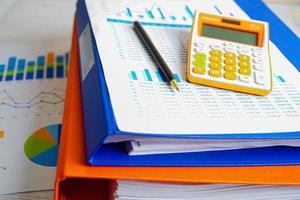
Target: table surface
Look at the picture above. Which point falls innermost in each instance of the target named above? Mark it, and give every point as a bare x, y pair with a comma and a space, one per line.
287, 10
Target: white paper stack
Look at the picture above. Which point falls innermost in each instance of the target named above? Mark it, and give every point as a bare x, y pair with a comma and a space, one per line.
137, 190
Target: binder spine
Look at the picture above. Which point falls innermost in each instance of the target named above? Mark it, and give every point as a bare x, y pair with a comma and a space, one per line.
99, 121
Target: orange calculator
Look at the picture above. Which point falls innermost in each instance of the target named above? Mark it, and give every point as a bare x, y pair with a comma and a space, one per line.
230, 53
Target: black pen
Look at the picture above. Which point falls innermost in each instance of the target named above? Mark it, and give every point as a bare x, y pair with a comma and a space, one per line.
156, 55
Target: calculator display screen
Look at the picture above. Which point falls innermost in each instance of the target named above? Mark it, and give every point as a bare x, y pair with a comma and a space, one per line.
229, 34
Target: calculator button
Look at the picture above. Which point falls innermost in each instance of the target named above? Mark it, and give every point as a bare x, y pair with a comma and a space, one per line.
230, 68
244, 64
245, 71
243, 51
215, 73
257, 54
230, 55
199, 50
255, 49
199, 63
199, 44
258, 67
245, 79
199, 70
231, 49
229, 61
216, 59
215, 52
244, 57
230, 75
259, 78
200, 56
228, 44
216, 66
216, 47
257, 61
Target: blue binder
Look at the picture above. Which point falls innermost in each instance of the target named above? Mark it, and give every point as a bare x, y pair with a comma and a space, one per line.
99, 120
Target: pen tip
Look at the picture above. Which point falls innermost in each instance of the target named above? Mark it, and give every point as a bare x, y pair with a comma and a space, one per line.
174, 84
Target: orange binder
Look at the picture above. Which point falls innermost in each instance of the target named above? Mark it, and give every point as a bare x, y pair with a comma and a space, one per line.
76, 180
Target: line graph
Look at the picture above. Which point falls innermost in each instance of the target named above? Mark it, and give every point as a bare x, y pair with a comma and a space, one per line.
43, 97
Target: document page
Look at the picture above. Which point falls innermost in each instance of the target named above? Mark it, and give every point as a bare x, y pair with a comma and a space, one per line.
34, 46
143, 103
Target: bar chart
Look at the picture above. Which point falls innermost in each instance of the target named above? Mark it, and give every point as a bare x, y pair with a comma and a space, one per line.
169, 15
155, 15
156, 12
149, 76
47, 66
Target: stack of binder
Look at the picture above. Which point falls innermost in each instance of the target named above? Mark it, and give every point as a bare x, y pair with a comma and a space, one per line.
79, 149
106, 114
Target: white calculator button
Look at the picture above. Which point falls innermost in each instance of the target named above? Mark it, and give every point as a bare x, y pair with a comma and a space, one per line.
214, 46
259, 78
228, 44
243, 51
230, 49
245, 79
199, 44
257, 54
257, 61
199, 50
258, 67
255, 49
244, 48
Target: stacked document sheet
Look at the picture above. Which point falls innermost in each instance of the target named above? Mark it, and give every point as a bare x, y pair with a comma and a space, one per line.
125, 99
147, 146
136, 190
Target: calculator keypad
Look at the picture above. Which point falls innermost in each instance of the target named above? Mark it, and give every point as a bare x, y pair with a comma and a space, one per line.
229, 62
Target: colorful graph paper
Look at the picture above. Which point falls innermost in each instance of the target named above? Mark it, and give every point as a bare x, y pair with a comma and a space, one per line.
48, 66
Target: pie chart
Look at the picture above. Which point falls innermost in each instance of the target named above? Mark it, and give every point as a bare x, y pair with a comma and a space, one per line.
42, 146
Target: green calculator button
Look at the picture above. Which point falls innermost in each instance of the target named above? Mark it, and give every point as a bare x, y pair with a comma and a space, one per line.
200, 63
200, 56
200, 60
